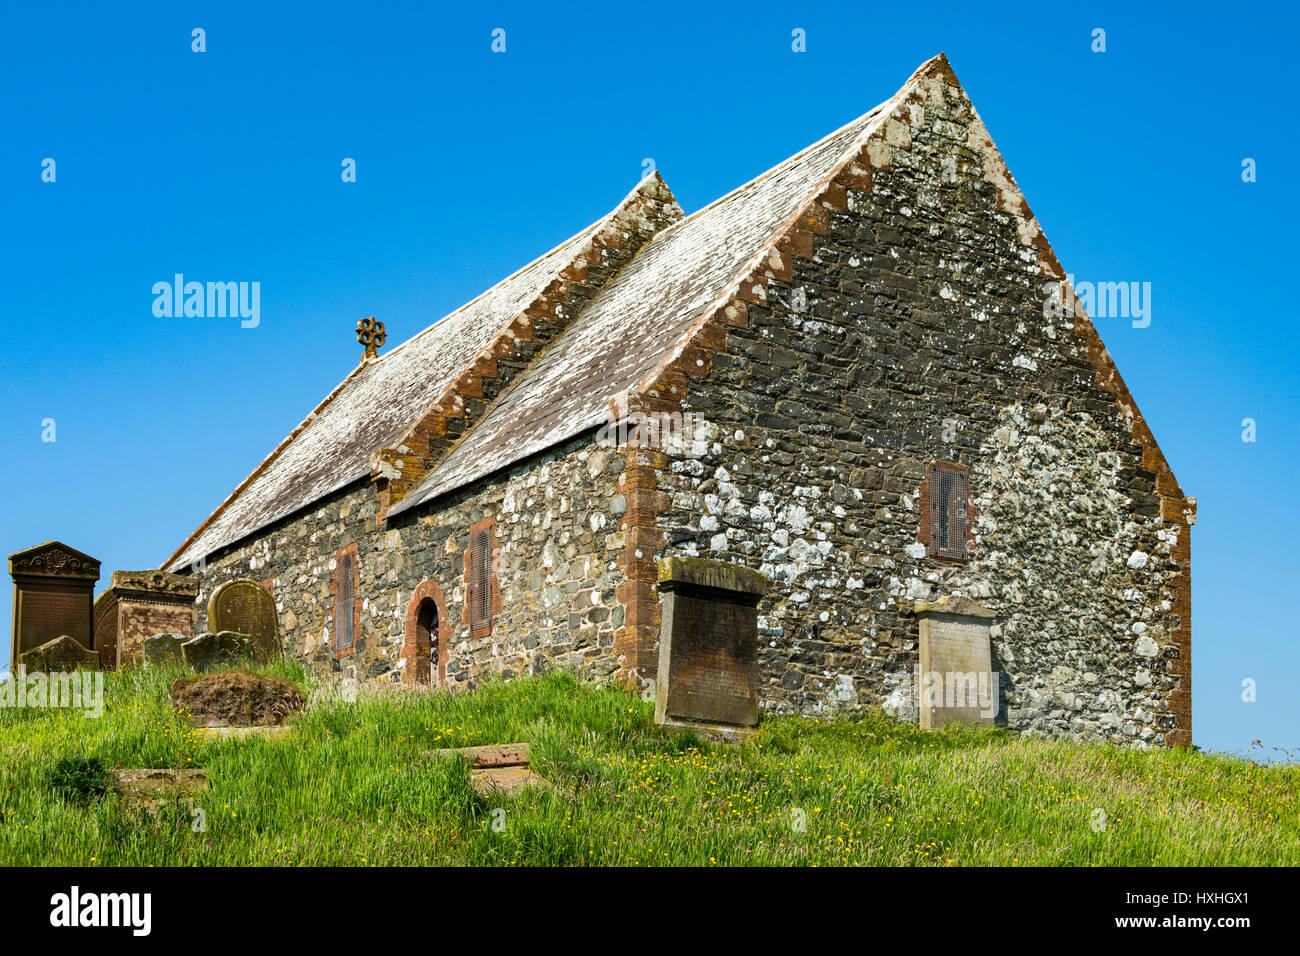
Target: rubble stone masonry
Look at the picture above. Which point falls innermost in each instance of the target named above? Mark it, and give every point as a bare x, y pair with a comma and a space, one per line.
557, 537
901, 322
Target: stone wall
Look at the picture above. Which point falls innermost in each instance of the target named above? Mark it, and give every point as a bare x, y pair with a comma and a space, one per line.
556, 523
904, 324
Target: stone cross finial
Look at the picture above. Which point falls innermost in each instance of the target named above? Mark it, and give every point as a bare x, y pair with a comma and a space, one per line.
371, 334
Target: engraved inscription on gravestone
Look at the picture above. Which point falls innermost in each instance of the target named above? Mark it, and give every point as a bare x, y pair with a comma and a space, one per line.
53, 587
246, 607
956, 682
708, 643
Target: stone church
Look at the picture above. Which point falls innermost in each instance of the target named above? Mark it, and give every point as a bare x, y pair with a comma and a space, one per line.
863, 374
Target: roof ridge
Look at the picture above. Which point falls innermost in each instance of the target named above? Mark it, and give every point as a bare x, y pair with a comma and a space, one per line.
589, 229
848, 154
400, 467
939, 58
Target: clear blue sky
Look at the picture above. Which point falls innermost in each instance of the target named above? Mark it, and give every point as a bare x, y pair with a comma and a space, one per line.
225, 165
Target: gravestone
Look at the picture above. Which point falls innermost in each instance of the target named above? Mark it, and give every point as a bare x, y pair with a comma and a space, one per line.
708, 646
53, 590
61, 655
163, 649
246, 607
138, 605
217, 650
955, 681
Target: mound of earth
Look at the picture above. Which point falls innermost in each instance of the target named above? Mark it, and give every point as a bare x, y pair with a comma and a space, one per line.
237, 699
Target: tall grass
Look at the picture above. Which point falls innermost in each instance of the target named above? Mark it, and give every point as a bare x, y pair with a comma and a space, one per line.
355, 785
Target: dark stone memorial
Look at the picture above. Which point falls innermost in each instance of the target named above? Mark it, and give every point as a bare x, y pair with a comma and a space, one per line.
246, 607
53, 590
708, 646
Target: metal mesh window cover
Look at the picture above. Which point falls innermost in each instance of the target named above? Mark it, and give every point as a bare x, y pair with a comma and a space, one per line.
344, 602
480, 579
948, 512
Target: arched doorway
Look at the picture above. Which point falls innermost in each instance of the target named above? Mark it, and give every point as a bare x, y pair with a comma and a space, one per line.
427, 631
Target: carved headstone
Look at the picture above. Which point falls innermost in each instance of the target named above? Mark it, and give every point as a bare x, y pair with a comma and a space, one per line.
53, 589
63, 654
708, 645
955, 680
138, 605
246, 607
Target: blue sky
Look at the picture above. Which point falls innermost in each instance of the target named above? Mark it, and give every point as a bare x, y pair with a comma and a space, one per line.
225, 165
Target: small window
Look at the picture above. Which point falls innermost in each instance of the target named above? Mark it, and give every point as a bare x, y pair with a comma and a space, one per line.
948, 512
482, 583
345, 593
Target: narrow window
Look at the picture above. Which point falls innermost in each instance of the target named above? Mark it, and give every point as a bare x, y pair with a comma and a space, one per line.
948, 510
344, 601
481, 582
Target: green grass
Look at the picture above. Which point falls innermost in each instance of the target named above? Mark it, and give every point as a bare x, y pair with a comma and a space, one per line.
354, 787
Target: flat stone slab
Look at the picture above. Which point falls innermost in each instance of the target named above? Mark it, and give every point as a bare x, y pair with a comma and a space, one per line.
508, 780
273, 732
492, 755
150, 785
500, 768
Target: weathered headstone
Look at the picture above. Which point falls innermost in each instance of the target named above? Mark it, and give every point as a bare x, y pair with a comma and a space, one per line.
246, 607
708, 645
217, 650
53, 590
63, 654
161, 649
955, 680
137, 605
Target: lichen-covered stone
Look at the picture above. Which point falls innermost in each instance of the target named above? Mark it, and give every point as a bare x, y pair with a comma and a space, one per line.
163, 649
222, 649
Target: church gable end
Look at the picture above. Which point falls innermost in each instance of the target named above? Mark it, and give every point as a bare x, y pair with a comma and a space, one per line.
900, 323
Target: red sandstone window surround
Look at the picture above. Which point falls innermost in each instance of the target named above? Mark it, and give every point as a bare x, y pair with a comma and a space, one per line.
945, 512
346, 612
482, 596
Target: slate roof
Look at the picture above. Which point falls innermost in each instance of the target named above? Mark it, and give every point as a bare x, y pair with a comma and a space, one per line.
374, 404
639, 317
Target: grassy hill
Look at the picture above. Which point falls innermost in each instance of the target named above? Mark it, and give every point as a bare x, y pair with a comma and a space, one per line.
354, 786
